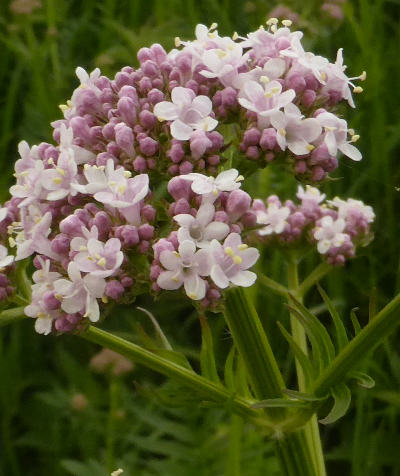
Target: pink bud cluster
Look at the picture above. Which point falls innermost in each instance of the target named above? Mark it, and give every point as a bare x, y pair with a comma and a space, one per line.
336, 227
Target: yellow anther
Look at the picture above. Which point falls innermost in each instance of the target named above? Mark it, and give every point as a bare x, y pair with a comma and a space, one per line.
83, 248
102, 262
287, 23
355, 138
175, 279
215, 191
242, 247
240, 178
58, 296
51, 161
57, 180
127, 174
272, 21
351, 132
282, 132
235, 36
161, 119
221, 54
86, 166
177, 41
113, 183
229, 251
64, 108
105, 299
310, 147
212, 35
274, 28
90, 258
122, 189
60, 171
12, 242
264, 79
358, 90
363, 76
237, 259
323, 75
176, 254
213, 26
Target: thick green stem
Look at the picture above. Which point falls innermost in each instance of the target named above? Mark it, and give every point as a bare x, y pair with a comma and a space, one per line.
12, 315
311, 428
251, 341
313, 278
380, 327
204, 387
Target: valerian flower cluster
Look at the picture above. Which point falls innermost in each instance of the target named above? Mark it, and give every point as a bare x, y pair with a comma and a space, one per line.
93, 211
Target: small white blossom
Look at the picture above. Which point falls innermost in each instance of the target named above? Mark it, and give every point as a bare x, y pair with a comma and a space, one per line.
275, 219
329, 233
209, 186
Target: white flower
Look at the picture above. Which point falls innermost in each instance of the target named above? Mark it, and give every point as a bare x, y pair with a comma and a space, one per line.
335, 136
209, 186
293, 131
60, 179
80, 294
351, 207
187, 112
80, 154
5, 258
231, 261
310, 194
275, 219
274, 68
185, 267
201, 229
329, 233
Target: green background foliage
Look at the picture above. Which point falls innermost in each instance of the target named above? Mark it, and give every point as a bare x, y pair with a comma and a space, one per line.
139, 421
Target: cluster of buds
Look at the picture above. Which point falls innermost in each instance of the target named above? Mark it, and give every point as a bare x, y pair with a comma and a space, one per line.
335, 226
92, 210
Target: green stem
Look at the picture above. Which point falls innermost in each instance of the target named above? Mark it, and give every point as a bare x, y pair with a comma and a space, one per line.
235, 440
311, 428
113, 391
265, 378
277, 288
380, 327
12, 315
187, 377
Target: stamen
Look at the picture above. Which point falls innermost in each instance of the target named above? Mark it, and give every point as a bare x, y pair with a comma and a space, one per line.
237, 259
242, 247
287, 23
358, 90
229, 251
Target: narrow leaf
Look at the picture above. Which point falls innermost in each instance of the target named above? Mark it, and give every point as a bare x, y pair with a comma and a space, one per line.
372, 304
299, 354
342, 398
207, 356
354, 320
278, 403
363, 379
229, 377
307, 397
341, 334
173, 356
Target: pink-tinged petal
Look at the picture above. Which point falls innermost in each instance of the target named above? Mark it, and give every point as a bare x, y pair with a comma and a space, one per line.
170, 260
244, 278
286, 97
94, 285
182, 96
253, 91
74, 303
219, 277
184, 234
105, 197
139, 186
57, 194
202, 187
278, 120
205, 214
339, 225
207, 124
92, 309
207, 74
226, 177
191, 117
186, 250
112, 246
43, 325
298, 147
6, 261
202, 104
247, 104
118, 261
166, 111
184, 219
249, 257
94, 246
330, 141
215, 230
3, 213
180, 130
73, 272
211, 60
170, 280
195, 287
233, 240
274, 68
24, 250
203, 261
310, 129
350, 151
323, 246
63, 287
326, 221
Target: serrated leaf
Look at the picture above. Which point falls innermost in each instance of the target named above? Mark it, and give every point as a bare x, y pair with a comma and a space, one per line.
279, 403
299, 354
363, 379
341, 334
342, 398
207, 356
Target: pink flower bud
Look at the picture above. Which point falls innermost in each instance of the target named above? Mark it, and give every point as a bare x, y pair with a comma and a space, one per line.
176, 153
253, 152
140, 164
181, 206
185, 167
148, 146
150, 68
71, 225
155, 96
228, 97
126, 281
297, 82
60, 244
122, 79
124, 138
146, 232
308, 97
199, 143
238, 203
127, 110
251, 137
144, 54
114, 289
268, 139
147, 119
50, 301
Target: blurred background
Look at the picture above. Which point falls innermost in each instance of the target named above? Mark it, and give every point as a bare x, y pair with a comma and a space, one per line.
60, 415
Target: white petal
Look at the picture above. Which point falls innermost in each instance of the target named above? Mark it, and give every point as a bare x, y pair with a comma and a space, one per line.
244, 278
219, 277
165, 110
182, 96
170, 280
215, 230
195, 287
180, 130
170, 260
205, 214
43, 325
350, 151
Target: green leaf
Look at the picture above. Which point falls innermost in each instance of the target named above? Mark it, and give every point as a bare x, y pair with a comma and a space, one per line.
207, 356
341, 334
354, 320
320, 341
363, 379
278, 403
342, 398
299, 354
307, 397
173, 356
229, 375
